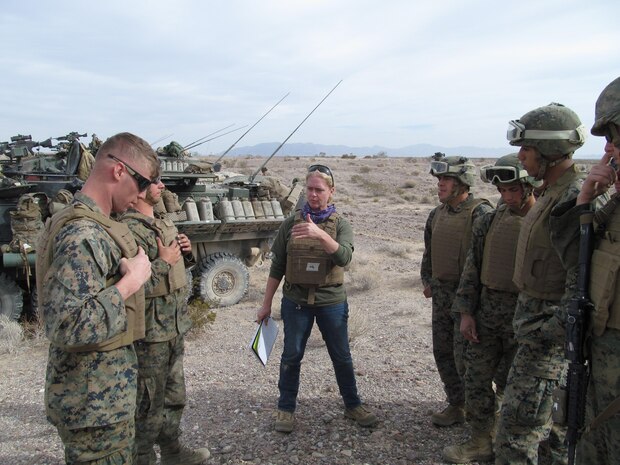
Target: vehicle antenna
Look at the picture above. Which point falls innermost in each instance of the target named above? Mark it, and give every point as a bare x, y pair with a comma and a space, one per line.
289, 136
189, 146
243, 135
209, 140
161, 138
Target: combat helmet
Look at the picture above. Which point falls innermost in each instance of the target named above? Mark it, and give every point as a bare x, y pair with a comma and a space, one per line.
607, 111
457, 167
554, 130
507, 170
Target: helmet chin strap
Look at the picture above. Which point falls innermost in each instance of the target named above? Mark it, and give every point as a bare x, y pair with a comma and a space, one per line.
456, 191
527, 191
544, 164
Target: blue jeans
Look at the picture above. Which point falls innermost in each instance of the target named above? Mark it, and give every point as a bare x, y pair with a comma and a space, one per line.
332, 322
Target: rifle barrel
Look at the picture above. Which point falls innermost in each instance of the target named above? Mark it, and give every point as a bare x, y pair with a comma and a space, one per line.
294, 131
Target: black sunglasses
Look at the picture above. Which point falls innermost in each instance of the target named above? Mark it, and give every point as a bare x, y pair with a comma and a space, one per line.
322, 169
143, 183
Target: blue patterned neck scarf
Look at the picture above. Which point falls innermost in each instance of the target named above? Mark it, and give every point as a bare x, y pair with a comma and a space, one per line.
320, 216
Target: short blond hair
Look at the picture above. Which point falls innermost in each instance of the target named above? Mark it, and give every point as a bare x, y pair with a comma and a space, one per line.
134, 148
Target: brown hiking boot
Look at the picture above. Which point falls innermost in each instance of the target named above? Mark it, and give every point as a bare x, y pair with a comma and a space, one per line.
177, 454
451, 415
284, 421
478, 449
361, 415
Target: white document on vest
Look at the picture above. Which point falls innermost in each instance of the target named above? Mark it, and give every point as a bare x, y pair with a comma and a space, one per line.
264, 339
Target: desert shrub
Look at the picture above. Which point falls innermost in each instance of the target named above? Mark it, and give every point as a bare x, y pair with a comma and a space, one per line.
200, 313
242, 164
362, 282
11, 335
376, 188
365, 169
410, 184
395, 249
426, 199
356, 178
359, 323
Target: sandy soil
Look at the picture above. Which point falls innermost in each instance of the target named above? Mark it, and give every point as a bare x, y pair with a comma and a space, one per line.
232, 397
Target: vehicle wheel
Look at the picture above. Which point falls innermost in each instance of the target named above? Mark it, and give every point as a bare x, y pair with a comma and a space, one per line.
11, 298
32, 313
224, 279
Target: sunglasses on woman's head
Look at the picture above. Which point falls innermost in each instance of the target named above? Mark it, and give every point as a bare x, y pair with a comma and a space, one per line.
321, 169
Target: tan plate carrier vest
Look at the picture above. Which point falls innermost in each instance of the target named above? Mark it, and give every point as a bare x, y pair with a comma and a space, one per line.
167, 232
500, 247
122, 236
450, 240
538, 269
604, 283
307, 264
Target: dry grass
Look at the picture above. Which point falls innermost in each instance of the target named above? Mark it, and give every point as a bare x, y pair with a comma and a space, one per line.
11, 335
359, 323
395, 249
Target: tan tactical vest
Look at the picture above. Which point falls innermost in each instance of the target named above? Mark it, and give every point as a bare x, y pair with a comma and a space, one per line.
500, 246
604, 283
538, 269
167, 232
307, 263
451, 240
122, 236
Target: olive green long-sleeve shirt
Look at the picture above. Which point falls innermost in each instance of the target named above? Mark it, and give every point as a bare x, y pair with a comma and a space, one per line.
342, 257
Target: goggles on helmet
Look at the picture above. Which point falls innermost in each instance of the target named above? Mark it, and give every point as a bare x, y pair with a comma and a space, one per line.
441, 167
517, 132
501, 174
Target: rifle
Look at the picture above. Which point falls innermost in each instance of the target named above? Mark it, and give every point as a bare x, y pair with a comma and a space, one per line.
294, 131
72, 136
577, 320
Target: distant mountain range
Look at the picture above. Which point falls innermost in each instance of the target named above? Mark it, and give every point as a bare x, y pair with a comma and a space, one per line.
417, 150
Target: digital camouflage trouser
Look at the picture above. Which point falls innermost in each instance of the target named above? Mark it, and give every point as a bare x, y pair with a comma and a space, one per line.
103, 445
485, 362
602, 444
161, 395
448, 343
526, 411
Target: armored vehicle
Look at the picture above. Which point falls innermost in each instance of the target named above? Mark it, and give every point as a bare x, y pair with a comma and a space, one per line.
230, 219
37, 179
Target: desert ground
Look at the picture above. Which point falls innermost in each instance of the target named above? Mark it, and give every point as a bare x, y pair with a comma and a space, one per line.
232, 397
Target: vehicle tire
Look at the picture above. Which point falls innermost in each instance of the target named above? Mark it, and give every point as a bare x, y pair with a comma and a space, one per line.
11, 298
224, 279
32, 312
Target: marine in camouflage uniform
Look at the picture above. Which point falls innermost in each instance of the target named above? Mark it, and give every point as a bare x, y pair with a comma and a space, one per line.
90, 274
548, 136
161, 382
447, 236
486, 300
600, 443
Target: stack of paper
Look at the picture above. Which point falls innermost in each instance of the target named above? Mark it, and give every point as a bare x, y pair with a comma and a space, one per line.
264, 339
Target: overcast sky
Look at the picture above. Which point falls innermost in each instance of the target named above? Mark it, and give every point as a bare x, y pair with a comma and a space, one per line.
442, 72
